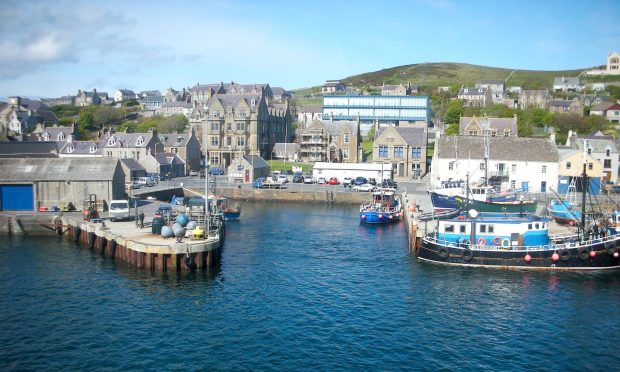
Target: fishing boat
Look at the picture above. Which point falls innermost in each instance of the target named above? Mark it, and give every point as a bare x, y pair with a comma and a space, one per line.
383, 208
518, 241
230, 212
517, 206
564, 212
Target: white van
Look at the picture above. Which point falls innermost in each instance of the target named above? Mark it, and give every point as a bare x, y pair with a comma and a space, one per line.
119, 210
146, 181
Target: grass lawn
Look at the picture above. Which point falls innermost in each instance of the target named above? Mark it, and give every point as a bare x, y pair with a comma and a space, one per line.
367, 148
281, 165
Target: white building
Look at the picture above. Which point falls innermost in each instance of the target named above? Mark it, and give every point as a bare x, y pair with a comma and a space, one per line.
378, 171
519, 163
612, 66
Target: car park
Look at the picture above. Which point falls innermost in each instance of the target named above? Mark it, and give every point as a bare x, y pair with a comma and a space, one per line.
333, 181
360, 181
365, 187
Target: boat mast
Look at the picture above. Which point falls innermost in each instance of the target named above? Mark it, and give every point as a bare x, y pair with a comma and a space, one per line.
206, 178
486, 158
584, 188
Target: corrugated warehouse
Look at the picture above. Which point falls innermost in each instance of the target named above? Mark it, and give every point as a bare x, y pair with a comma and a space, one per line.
29, 184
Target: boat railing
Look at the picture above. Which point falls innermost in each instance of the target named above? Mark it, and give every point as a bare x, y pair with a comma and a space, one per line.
553, 246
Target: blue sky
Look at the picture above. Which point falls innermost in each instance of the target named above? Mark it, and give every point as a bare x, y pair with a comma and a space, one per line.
54, 48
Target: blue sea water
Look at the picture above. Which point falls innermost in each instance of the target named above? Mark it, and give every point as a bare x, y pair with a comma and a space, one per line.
299, 287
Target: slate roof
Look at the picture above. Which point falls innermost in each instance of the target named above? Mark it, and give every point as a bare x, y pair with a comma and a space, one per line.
500, 148
174, 139
229, 101
28, 149
472, 91
128, 140
178, 104
80, 148
565, 81
155, 98
414, 137
279, 91
256, 160
486, 123
127, 92
132, 164
336, 128
168, 158
598, 144
560, 103
149, 93
289, 148
63, 169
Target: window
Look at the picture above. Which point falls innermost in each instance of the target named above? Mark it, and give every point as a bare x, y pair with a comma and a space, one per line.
345, 153
491, 229
544, 169
449, 228
240, 126
241, 141
568, 165
70, 149
513, 184
473, 133
607, 163
216, 113
109, 154
174, 150
228, 141
215, 126
462, 229
398, 151
383, 151
345, 138
451, 165
416, 152
607, 152
513, 168
483, 229
589, 150
215, 141
590, 166
481, 166
241, 114
229, 126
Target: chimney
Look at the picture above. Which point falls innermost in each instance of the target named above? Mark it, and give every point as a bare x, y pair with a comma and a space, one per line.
70, 138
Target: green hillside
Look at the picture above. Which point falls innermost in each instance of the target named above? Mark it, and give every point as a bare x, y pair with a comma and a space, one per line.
456, 74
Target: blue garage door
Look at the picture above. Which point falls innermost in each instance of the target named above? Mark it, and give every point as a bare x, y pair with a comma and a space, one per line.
16, 198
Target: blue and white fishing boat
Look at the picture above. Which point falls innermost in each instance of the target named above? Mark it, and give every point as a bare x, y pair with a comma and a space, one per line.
230, 212
384, 207
444, 198
563, 212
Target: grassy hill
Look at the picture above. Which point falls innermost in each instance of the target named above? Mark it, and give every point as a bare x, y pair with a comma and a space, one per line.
457, 74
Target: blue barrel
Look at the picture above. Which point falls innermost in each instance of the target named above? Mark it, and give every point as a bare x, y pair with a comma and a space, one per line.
178, 230
166, 232
182, 219
191, 225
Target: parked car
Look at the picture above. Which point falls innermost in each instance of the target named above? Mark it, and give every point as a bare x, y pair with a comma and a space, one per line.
372, 181
365, 187
360, 181
321, 181
145, 181
163, 209
133, 185
155, 177
193, 173
216, 171
333, 181
389, 183
282, 178
308, 179
258, 183
347, 181
298, 178
119, 210
202, 173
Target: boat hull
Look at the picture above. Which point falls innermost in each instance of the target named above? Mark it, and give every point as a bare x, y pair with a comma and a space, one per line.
606, 256
497, 207
563, 215
443, 202
232, 215
372, 217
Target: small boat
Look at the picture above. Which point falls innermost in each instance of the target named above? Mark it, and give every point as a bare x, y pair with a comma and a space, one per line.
519, 206
519, 242
383, 208
563, 212
444, 198
230, 212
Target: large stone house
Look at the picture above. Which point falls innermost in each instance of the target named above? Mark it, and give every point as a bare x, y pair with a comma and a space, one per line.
475, 126
84, 98
286, 151
332, 86
404, 148
496, 87
131, 145
22, 115
396, 90
513, 162
240, 123
124, 94
334, 141
166, 164
475, 97
566, 106
186, 146
533, 99
567, 84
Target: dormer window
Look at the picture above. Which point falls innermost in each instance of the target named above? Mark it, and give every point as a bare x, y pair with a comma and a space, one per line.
70, 149
111, 141
140, 141
46, 136
61, 136
179, 139
93, 149
607, 152
253, 102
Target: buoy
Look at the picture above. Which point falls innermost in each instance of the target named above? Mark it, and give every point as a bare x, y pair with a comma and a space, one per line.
482, 241
592, 254
555, 256
390, 216
380, 216
616, 255
363, 216
527, 258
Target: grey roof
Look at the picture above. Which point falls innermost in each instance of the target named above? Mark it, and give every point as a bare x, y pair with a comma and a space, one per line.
596, 143
603, 106
178, 104
28, 149
154, 98
332, 83
63, 169
472, 91
256, 160
132, 164
127, 92
337, 128
560, 103
414, 137
80, 148
535, 92
168, 158
53, 132
566, 81
148, 93
311, 108
289, 148
47, 116
128, 140
487, 123
229, 101
500, 148
33, 104
175, 139
279, 91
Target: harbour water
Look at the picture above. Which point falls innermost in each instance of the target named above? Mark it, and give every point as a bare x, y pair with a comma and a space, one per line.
299, 287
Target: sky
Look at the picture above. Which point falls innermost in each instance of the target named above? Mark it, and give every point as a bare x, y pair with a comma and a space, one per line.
54, 48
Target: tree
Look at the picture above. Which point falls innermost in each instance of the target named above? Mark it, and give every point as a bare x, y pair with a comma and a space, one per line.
454, 112
173, 124
452, 129
371, 133
105, 115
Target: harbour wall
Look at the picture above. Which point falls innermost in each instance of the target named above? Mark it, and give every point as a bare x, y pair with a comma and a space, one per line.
173, 257
288, 195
